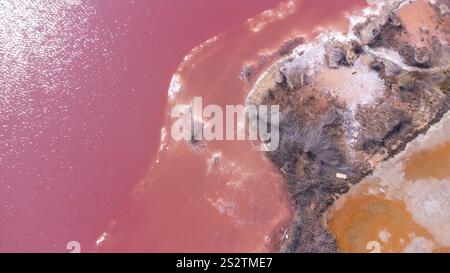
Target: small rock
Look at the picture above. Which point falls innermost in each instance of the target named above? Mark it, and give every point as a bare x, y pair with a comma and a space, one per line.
422, 57
338, 53
335, 55
292, 75
341, 176
443, 8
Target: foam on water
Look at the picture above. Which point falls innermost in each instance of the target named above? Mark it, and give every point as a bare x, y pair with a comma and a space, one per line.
175, 86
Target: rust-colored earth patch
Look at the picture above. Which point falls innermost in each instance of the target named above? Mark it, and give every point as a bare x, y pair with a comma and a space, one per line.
366, 220
429, 163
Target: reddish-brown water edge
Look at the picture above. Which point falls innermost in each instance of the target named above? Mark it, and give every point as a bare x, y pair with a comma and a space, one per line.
188, 201
83, 87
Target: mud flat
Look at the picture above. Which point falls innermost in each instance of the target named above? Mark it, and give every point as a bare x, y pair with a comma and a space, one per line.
417, 181
350, 101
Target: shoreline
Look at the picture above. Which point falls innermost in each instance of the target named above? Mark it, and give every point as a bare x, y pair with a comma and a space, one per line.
354, 142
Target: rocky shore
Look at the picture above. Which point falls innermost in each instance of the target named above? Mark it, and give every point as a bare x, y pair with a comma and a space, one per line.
350, 101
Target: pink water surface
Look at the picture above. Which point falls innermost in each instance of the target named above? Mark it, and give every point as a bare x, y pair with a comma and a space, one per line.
83, 89
82, 94
188, 201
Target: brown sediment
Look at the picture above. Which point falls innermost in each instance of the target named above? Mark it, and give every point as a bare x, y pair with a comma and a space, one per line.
430, 163
373, 218
442, 250
350, 102
419, 24
416, 178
